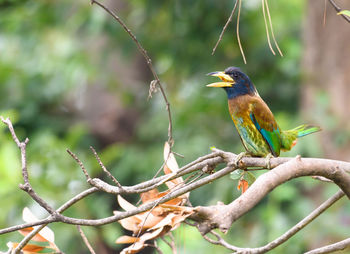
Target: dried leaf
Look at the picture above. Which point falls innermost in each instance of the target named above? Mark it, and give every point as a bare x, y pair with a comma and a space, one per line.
140, 244
171, 166
125, 204
131, 223
27, 249
37, 237
127, 239
149, 195
152, 235
134, 248
242, 184
46, 232
173, 219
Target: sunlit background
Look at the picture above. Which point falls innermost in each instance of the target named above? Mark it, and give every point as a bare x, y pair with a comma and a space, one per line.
71, 77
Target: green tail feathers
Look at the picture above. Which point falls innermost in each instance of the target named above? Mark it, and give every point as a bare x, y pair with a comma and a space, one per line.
289, 137
306, 129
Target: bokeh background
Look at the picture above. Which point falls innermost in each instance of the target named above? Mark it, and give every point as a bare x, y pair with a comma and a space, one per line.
70, 77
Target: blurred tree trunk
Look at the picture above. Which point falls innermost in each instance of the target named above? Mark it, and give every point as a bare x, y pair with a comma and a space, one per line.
325, 94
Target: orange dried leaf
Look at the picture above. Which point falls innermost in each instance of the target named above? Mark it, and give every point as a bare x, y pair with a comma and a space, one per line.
134, 248
28, 248
37, 237
154, 234
46, 233
149, 195
242, 184
174, 218
149, 220
170, 166
140, 243
127, 239
131, 223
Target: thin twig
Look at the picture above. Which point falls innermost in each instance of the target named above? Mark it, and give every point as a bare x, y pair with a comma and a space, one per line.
303, 223
149, 64
80, 163
271, 28
86, 241
225, 27
266, 27
325, 12
171, 243
155, 246
338, 9
104, 168
237, 31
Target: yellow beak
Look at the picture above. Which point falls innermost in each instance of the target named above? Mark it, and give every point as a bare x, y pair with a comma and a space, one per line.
227, 80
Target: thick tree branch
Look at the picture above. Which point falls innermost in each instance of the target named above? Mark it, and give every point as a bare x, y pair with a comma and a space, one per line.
278, 241
222, 216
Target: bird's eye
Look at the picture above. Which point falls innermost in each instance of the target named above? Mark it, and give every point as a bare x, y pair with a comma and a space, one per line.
235, 75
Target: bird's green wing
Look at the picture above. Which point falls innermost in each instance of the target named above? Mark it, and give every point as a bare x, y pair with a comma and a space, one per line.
265, 122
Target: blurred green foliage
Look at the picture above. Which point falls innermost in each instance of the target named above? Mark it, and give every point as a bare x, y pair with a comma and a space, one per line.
53, 51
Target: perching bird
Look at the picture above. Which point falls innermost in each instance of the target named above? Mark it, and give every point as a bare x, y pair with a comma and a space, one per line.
253, 119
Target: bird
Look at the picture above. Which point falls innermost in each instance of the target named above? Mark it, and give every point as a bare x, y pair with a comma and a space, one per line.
258, 130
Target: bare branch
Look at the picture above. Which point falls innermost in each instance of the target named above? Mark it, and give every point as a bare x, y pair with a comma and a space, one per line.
26, 186
222, 216
303, 223
149, 64
86, 241
342, 245
80, 163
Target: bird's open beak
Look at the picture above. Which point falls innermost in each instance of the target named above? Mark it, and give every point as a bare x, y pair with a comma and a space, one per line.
227, 80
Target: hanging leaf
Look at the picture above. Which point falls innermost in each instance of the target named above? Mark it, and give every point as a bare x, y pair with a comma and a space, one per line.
242, 184
237, 174
344, 12
249, 177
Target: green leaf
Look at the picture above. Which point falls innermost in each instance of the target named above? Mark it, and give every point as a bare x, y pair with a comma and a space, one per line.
237, 174
249, 177
344, 12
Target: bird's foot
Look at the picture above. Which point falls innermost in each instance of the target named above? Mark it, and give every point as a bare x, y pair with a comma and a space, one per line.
268, 161
238, 158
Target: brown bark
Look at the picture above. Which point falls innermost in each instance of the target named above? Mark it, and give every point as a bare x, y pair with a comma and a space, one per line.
326, 71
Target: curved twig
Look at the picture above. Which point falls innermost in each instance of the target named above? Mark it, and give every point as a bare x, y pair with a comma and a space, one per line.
149, 64
225, 27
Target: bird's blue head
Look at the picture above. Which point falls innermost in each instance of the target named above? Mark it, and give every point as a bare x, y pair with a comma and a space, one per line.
234, 81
